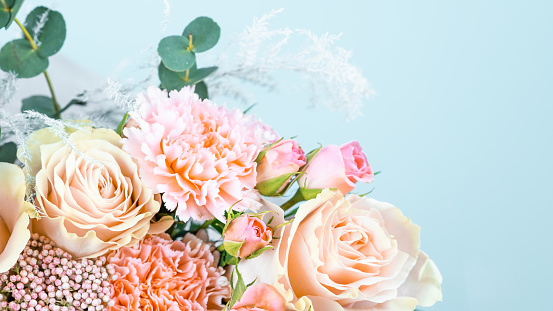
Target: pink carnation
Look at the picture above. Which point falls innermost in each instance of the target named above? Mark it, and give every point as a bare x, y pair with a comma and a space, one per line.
200, 156
161, 274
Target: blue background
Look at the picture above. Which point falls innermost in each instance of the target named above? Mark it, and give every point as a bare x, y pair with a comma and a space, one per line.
460, 127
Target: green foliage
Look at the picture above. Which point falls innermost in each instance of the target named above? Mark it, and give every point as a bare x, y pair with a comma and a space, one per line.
201, 90
8, 11
274, 187
52, 34
122, 124
18, 56
178, 56
172, 80
205, 33
8, 152
175, 53
39, 103
238, 289
233, 247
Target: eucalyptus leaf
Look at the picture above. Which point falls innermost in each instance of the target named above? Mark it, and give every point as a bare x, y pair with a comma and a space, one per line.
8, 152
8, 12
197, 75
51, 35
175, 54
18, 56
172, 80
39, 103
201, 90
205, 33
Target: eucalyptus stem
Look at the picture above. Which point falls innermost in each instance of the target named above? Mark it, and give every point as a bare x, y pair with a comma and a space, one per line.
56, 106
35, 47
298, 197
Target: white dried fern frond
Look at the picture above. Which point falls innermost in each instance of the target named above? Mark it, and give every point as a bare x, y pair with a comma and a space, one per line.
333, 80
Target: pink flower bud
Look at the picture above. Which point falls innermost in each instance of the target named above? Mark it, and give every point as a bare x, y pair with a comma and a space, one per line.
246, 235
260, 297
337, 167
283, 158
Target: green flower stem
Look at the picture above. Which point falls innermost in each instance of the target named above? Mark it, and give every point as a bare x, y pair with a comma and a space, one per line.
33, 45
221, 248
206, 224
298, 197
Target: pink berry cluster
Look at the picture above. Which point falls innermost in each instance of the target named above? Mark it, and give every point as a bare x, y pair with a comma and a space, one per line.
46, 278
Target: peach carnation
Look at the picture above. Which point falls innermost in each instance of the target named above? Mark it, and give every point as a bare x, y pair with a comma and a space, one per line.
161, 274
200, 156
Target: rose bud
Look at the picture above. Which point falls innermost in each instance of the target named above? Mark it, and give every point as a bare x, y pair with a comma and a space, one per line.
277, 167
245, 235
336, 167
260, 297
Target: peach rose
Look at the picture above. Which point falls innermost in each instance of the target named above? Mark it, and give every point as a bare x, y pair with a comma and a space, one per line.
260, 297
90, 192
14, 217
356, 253
337, 167
246, 235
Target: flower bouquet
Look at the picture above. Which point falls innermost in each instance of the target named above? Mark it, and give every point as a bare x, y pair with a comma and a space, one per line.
184, 204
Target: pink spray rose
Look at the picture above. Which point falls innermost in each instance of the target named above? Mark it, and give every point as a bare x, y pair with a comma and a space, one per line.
284, 157
337, 167
246, 235
260, 297
199, 155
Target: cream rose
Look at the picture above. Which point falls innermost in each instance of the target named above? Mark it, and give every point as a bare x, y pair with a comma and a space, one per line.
14, 217
357, 253
90, 192
349, 253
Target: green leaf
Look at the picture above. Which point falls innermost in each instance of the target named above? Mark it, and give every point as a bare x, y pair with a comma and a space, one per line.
175, 54
233, 247
312, 154
238, 289
205, 33
122, 124
262, 153
8, 152
52, 34
39, 103
172, 80
259, 252
197, 75
8, 11
273, 187
201, 90
18, 56
309, 194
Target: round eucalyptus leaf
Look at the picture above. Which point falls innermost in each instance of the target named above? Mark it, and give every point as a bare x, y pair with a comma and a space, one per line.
201, 90
7, 14
51, 35
171, 80
18, 56
39, 103
175, 54
205, 33
197, 75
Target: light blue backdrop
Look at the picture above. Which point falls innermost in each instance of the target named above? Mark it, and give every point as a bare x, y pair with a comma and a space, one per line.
461, 126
